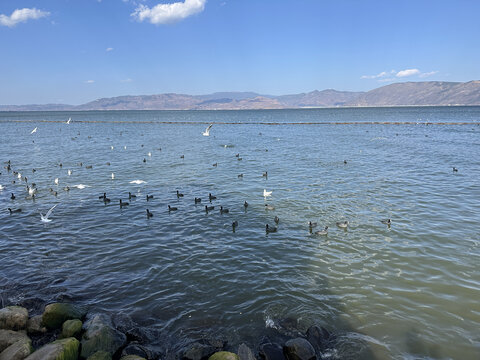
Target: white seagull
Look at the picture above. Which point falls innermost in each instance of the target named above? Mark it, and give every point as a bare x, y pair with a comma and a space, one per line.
34, 130
31, 190
69, 172
80, 186
113, 176
56, 181
68, 121
138, 182
1, 187
207, 130
45, 218
267, 193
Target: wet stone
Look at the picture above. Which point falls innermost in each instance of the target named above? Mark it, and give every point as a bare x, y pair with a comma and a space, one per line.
10, 337
13, 318
223, 355
35, 327
245, 353
271, 351
319, 337
299, 349
56, 314
65, 349
17, 351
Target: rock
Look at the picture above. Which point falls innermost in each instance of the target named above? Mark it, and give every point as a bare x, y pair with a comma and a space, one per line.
132, 357
13, 318
245, 353
34, 325
271, 351
9, 337
223, 355
101, 336
71, 328
299, 349
100, 355
136, 349
56, 314
318, 337
17, 351
64, 349
198, 351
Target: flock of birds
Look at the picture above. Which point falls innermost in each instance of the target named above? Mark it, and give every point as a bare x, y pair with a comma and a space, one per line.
31, 190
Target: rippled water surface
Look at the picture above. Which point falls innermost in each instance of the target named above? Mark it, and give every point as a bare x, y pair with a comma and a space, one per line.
406, 291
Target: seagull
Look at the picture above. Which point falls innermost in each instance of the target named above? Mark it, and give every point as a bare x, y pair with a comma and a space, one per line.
69, 172
138, 182
34, 130
1, 187
207, 130
31, 190
149, 154
113, 176
56, 181
81, 186
111, 147
45, 218
68, 121
266, 193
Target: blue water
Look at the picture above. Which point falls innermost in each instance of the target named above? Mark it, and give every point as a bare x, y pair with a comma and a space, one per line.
406, 291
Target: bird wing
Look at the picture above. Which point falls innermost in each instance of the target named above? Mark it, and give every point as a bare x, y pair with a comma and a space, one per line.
34, 130
209, 127
50, 211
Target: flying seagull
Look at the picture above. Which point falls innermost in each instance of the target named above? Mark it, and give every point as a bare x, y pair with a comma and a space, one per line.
45, 218
68, 121
34, 130
207, 130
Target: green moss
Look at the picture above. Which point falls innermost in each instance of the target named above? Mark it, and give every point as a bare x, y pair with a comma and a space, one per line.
70, 349
100, 355
224, 355
71, 328
56, 314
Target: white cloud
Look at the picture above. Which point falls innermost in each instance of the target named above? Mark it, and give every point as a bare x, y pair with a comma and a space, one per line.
427, 74
109, 49
89, 81
168, 13
126, 80
22, 15
378, 76
408, 72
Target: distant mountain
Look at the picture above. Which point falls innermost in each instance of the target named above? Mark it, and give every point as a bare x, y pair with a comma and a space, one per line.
421, 93
398, 94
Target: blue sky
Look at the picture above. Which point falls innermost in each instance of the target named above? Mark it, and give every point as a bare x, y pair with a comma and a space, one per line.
74, 51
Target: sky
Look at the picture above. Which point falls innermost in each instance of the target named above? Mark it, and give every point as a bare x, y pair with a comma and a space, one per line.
75, 51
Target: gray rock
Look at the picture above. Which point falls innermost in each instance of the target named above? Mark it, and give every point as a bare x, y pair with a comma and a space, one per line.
35, 327
318, 337
245, 353
100, 335
13, 318
9, 337
271, 351
17, 351
56, 314
299, 349
64, 349
100, 355
136, 349
198, 351
71, 328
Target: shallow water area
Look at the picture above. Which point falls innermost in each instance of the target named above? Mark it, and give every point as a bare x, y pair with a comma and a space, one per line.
408, 290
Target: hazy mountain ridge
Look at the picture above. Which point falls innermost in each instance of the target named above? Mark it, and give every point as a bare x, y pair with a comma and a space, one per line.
398, 94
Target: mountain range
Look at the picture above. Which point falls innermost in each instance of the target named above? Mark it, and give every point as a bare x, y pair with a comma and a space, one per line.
427, 93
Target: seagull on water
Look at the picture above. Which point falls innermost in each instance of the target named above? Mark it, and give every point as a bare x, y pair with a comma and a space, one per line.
81, 186
34, 130
113, 176
266, 193
68, 121
69, 172
56, 181
138, 182
207, 130
45, 218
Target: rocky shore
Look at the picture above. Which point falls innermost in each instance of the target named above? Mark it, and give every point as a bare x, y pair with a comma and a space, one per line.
66, 331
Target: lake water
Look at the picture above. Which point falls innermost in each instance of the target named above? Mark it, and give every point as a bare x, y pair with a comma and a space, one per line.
410, 290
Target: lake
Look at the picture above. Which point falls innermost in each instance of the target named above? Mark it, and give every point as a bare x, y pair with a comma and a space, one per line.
408, 290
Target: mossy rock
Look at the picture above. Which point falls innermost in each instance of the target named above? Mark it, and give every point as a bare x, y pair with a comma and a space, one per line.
100, 355
132, 357
34, 325
17, 351
10, 337
13, 318
224, 355
64, 349
56, 314
71, 328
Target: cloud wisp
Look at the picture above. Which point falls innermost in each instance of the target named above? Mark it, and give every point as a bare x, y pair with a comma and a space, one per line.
387, 76
168, 13
22, 15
